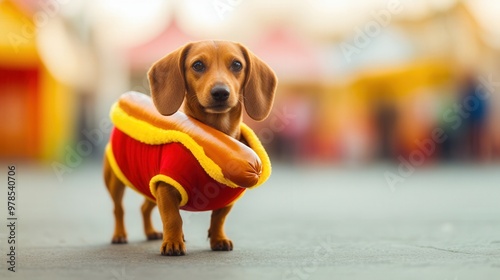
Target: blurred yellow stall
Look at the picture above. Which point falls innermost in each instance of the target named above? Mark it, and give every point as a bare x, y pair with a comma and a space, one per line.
35, 109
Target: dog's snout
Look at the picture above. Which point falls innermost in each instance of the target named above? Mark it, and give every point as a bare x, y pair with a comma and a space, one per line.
220, 93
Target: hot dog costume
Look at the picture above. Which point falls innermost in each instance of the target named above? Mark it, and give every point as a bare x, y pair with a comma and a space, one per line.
209, 168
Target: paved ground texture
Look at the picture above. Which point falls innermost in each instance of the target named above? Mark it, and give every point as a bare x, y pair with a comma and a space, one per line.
305, 223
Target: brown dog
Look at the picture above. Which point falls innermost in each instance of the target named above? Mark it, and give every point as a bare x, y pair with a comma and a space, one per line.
212, 81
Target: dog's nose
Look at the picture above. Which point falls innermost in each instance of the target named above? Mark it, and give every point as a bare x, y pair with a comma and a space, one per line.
220, 93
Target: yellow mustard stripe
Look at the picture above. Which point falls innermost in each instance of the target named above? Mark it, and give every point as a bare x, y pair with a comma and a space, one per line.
170, 181
116, 169
147, 133
254, 143
150, 134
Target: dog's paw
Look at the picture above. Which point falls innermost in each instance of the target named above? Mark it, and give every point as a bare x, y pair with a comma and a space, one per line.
154, 235
222, 244
119, 239
173, 248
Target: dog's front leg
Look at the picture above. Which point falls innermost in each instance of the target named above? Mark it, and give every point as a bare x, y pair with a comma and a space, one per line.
168, 200
218, 238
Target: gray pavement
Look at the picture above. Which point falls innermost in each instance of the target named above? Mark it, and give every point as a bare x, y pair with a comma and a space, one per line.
304, 223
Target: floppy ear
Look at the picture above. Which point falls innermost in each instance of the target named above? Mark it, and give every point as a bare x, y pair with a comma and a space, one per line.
260, 86
167, 82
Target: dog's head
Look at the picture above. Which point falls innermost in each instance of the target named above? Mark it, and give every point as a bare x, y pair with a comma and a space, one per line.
214, 77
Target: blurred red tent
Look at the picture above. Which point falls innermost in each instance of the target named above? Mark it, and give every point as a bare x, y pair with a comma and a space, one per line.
141, 57
289, 55
297, 65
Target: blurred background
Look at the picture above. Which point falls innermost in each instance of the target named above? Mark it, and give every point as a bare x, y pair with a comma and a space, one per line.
360, 82
384, 85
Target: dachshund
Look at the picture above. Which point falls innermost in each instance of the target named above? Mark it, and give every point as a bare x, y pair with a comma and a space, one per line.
211, 81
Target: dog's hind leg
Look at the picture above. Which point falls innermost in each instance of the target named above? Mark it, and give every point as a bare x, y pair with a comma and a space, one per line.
146, 209
116, 189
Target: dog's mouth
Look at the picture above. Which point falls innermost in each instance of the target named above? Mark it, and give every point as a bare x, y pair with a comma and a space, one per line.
217, 108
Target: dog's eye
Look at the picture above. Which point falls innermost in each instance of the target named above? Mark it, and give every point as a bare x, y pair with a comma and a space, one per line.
198, 66
236, 66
